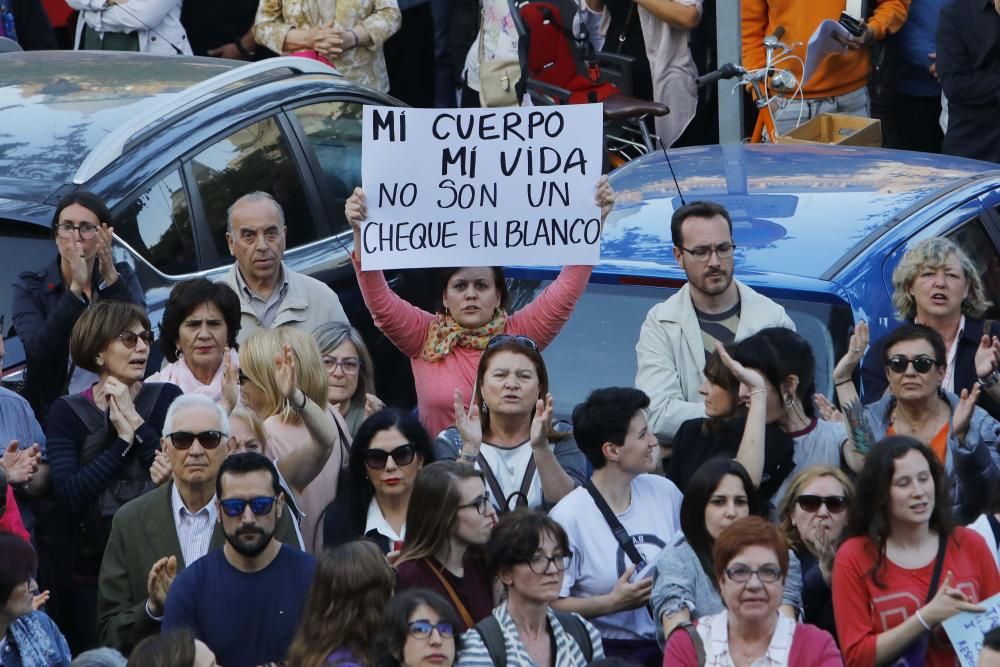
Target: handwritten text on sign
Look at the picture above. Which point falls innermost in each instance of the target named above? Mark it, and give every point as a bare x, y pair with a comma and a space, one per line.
481, 187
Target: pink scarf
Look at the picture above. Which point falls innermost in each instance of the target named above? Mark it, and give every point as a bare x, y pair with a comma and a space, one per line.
180, 374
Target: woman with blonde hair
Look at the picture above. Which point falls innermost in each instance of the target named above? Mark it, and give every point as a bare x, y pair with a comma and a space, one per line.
343, 613
282, 380
812, 516
936, 284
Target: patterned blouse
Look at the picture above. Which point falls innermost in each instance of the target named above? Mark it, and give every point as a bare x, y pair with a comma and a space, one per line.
568, 654
364, 65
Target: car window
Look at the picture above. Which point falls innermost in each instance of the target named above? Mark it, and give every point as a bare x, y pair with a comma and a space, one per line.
254, 158
158, 226
333, 130
973, 239
596, 348
25, 248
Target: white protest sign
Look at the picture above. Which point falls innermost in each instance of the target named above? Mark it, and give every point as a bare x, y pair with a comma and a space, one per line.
481, 187
966, 629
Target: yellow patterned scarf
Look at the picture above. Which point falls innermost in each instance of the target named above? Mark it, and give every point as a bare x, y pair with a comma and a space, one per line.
444, 334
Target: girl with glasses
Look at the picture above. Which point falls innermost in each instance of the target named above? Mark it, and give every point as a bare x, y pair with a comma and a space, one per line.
962, 435
349, 372
509, 434
343, 613
529, 553
284, 383
101, 442
448, 522
719, 494
390, 449
750, 562
812, 516
419, 629
905, 567
444, 346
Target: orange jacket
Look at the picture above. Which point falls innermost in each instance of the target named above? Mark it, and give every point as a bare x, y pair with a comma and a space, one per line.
839, 74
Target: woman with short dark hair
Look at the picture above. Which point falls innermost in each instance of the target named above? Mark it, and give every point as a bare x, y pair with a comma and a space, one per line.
48, 302
419, 628
529, 553
178, 648
905, 568
198, 338
28, 638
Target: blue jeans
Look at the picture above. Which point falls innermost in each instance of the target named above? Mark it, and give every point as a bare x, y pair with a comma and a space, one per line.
786, 111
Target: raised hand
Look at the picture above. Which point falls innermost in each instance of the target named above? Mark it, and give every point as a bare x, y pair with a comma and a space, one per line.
230, 381
286, 375
79, 274
963, 412
356, 208
855, 351
161, 576
987, 356
604, 197
105, 260
747, 376
372, 405
541, 423
469, 427
38, 601
21, 464
827, 410
160, 471
947, 602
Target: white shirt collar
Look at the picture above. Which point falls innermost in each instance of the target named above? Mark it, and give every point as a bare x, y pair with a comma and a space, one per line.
179, 509
376, 521
714, 631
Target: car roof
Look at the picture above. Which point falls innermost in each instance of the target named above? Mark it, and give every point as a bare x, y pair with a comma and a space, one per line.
796, 210
70, 114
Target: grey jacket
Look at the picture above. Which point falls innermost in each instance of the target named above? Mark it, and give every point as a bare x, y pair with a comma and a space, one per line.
972, 467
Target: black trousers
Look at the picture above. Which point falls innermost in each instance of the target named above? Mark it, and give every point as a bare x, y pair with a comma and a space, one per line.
915, 124
409, 58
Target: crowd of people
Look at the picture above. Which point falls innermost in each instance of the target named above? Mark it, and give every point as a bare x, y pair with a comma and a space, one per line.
926, 68
253, 501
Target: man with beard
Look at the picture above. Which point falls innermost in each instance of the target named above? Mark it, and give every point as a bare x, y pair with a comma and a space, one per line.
680, 333
156, 535
244, 600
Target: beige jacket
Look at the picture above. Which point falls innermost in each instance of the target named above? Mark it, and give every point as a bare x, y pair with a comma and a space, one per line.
366, 65
307, 304
671, 355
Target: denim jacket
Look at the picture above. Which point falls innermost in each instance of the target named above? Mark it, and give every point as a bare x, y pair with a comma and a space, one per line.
972, 467
45, 645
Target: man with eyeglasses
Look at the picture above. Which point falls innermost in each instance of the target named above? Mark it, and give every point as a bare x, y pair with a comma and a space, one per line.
48, 302
680, 333
244, 600
271, 294
158, 534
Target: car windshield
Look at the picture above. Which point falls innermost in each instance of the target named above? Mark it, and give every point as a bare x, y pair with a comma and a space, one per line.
33, 249
54, 113
596, 348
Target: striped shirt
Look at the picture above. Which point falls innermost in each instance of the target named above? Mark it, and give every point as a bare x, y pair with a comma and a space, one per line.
194, 529
568, 654
17, 422
719, 327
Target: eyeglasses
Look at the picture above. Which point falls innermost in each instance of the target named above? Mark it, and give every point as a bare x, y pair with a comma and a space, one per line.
767, 574
349, 365
482, 504
402, 455
422, 628
702, 253
260, 505
811, 503
898, 363
184, 439
523, 341
66, 229
130, 338
539, 564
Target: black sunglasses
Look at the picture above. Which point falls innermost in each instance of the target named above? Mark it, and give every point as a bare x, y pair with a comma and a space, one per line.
898, 363
130, 338
523, 341
402, 455
184, 439
811, 503
261, 505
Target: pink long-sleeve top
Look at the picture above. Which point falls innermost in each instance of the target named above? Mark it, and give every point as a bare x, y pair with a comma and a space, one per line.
407, 327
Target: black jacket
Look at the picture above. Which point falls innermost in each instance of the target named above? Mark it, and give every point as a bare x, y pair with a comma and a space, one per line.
968, 65
44, 314
34, 32
874, 382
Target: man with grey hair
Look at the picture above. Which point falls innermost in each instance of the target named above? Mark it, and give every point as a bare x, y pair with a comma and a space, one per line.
271, 294
156, 535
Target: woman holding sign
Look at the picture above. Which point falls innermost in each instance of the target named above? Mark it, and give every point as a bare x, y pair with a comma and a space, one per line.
905, 568
444, 347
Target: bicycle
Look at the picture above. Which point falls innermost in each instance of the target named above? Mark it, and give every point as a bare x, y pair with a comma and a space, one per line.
760, 81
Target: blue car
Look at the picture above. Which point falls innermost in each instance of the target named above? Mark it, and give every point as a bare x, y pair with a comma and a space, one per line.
818, 229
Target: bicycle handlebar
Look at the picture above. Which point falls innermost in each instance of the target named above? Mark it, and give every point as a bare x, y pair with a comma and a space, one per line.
727, 71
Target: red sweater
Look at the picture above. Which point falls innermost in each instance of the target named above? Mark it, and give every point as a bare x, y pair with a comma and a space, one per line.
406, 326
863, 610
11, 522
810, 646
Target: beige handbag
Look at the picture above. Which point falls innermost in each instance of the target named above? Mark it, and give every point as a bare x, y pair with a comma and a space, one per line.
498, 77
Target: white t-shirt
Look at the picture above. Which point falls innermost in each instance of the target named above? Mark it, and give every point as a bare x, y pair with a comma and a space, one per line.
509, 466
652, 520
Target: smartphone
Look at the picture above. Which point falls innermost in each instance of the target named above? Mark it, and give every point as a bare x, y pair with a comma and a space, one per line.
855, 26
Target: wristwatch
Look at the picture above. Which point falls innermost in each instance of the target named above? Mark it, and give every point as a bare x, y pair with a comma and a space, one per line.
246, 53
989, 380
